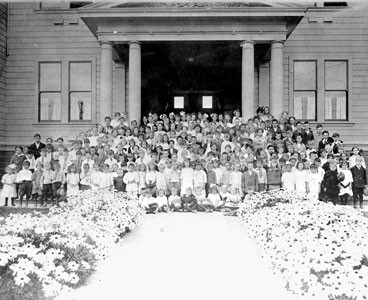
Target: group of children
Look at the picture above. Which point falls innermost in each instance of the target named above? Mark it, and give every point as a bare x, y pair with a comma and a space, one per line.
189, 162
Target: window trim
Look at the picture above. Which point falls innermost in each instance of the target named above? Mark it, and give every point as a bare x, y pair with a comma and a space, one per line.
39, 92
335, 90
79, 91
304, 90
321, 58
65, 59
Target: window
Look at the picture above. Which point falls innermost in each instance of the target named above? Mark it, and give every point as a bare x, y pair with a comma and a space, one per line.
336, 90
49, 91
178, 102
305, 90
80, 91
207, 102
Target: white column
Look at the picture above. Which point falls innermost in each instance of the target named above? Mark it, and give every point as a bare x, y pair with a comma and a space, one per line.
106, 81
248, 105
134, 106
276, 78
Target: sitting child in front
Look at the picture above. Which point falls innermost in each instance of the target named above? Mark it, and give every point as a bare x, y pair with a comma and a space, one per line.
215, 198
174, 199
203, 204
161, 201
188, 201
148, 202
232, 203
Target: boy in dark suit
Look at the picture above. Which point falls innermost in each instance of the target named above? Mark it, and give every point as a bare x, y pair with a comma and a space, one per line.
37, 145
249, 179
360, 181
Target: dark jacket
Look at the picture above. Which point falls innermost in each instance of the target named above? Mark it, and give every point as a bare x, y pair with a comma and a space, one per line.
359, 177
249, 180
330, 182
36, 150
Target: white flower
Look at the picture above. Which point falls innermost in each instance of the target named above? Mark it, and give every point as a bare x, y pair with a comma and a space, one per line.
73, 266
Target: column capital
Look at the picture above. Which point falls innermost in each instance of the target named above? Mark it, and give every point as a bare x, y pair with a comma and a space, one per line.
134, 43
247, 44
106, 43
277, 43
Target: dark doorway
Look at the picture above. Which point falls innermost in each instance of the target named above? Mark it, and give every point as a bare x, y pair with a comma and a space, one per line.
207, 75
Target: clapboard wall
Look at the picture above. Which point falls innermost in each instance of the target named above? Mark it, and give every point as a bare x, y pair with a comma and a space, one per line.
340, 34
36, 35
3, 45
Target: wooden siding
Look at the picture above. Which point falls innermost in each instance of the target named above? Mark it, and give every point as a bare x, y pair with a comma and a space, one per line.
34, 37
345, 38
3, 45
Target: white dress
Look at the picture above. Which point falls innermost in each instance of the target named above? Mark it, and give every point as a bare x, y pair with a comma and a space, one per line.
300, 179
187, 176
8, 182
348, 179
73, 179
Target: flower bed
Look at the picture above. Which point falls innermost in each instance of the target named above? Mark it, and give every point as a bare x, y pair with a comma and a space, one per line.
43, 255
320, 250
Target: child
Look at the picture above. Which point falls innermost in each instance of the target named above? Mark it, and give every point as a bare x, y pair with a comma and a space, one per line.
147, 201
199, 176
187, 177
72, 180
174, 199
300, 179
95, 177
161, 180
215, 198
31, 160
250, 179
262, 176
174, 179
85, 178
330, 184
288, 178
211, 177
236, 179
249, 195
106, 182
24, 179
232, 203
203, 204
131, 179
58, 181
142, 178
313, 181
346, 191
46, 183
119, 183
273, 176
36, 182
188, 201
151, 178
359, 181
161, 201
8, 181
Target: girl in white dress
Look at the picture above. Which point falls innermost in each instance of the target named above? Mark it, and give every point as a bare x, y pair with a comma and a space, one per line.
300, 179
95, 177
187, 177
72, 180
8, 181
346, 191
131, 179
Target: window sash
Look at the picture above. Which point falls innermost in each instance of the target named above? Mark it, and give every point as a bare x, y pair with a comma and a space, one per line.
50, 106
336, 106
305, 105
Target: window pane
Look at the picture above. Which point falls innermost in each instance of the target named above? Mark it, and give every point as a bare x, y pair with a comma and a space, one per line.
207, 102
50, 77
80, 106
178, 102
335, 105
304, 75
336, 75
50, 106
80, 76
305, 105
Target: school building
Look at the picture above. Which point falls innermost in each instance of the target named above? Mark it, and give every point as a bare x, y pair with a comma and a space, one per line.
64, 66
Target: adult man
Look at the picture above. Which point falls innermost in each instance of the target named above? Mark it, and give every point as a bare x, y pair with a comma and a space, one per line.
37, 145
